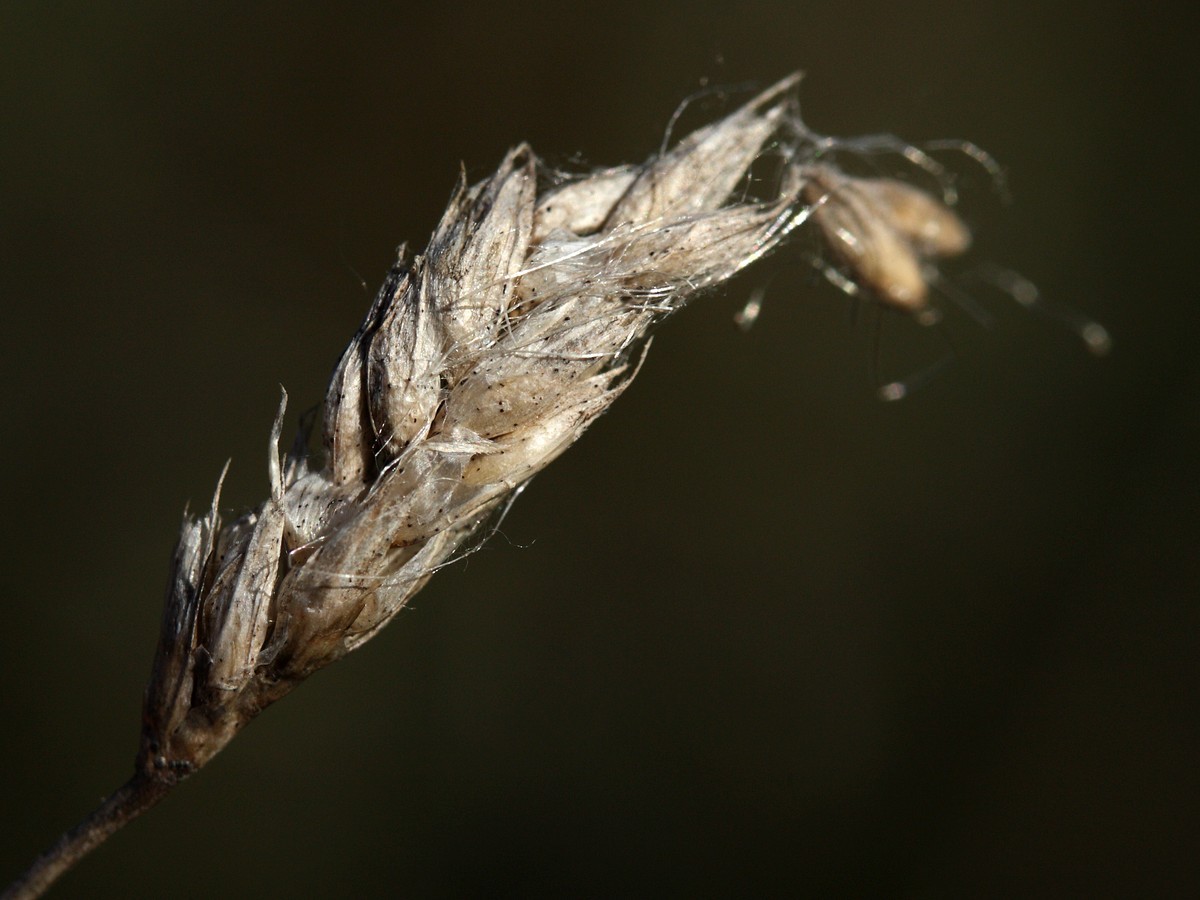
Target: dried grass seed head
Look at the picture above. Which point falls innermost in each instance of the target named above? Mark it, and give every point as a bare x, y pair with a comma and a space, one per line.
478, 362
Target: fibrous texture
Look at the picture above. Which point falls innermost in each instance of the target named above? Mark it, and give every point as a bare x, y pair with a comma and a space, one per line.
478, 363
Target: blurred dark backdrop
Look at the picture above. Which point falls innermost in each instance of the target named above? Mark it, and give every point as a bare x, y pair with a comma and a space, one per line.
758, 631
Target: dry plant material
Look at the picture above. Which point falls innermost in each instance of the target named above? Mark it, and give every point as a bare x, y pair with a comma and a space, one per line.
886, 232
479, 362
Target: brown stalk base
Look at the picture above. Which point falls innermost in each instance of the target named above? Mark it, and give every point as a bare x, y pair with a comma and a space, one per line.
125, 804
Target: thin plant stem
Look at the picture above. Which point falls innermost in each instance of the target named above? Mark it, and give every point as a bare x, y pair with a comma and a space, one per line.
124, 805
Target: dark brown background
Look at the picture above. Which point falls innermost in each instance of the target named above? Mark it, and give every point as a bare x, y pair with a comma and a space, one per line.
758, 631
